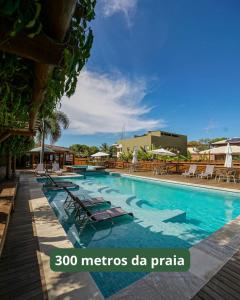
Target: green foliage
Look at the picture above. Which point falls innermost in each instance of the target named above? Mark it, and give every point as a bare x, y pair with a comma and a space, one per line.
204, 144
83, 150
80, 38
17, 145
104, 148
24, 15
112, 151
15, 90
144, 155
53, 125
126, 156
17, 73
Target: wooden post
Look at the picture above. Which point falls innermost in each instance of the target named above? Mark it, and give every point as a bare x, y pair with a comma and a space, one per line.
14, 165
8, 165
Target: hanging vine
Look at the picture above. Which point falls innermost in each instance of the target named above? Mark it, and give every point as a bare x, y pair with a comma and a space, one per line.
17, 73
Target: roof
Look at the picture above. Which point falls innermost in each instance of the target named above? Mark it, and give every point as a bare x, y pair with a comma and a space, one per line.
235, 140
219, 142
59, 148
221, 150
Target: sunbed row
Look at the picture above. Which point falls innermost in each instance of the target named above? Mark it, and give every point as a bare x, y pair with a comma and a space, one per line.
40, 169
228, 174
82, 208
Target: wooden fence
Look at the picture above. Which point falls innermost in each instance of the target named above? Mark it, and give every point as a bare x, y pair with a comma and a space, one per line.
175, 167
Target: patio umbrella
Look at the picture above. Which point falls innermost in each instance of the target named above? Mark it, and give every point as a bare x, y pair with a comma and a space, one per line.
134, 159
39, 149
100, 154
162, 152
228, 159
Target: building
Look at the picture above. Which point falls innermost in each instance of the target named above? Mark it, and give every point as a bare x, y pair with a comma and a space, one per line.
218, 150
232, 142
154, 140
63, 155
193, 151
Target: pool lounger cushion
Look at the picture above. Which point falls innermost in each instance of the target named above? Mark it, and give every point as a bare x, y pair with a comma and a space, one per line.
95, 201
109, 214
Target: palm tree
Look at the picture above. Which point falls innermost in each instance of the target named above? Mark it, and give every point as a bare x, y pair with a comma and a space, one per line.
104, 148
52, 127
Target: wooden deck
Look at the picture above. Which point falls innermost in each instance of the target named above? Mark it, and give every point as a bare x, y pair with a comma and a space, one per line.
225, 284
19, 269
8, 189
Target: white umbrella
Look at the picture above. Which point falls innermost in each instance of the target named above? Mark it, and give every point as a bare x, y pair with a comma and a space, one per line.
162, 152
135, 160
100, 154
228, 159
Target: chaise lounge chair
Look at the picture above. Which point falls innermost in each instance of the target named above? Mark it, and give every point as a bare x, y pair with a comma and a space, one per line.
208, 173
191, 172
56, 169
84, 215
40, 170
56, 185
74, 201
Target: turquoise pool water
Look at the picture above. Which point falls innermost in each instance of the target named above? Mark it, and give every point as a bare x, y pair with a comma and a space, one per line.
206, 211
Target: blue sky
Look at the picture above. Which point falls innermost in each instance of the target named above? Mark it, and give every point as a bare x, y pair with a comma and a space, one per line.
159, 64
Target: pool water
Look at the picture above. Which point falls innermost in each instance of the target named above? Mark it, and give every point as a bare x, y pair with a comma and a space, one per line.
206, 211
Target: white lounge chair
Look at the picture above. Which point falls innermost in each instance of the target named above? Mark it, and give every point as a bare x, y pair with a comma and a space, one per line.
191, 172
40, 170
56, 169
208, 173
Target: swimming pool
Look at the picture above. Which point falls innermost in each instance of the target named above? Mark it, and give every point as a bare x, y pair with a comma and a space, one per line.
206, 211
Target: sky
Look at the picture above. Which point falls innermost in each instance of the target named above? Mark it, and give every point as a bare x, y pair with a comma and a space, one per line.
158, 64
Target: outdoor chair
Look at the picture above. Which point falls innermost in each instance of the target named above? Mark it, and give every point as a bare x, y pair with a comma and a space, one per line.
226, 175
231, 175
84, 215
133, 168
208, 173
161, 170
56, 169
56, 185
191, 172
40, 170
73, 201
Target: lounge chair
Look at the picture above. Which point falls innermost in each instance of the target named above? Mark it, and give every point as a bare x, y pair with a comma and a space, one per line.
208, 173
227, 175
161, 170
74, 201
84, 215
191, 172
56, 169
56, 185
40, 170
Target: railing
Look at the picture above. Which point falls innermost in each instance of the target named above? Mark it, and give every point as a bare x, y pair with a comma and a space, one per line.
174, 166
80, 161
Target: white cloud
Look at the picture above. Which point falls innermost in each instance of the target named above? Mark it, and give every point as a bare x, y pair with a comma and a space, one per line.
127, 7
105, 103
